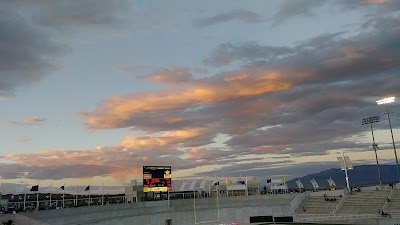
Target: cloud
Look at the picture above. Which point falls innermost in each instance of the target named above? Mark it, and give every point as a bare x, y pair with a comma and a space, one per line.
290, 9
30, 34
171, 137
307, 102
227, 53
26, 52
83, 14
29, 121
265, 170
306, 99
129, 69
173, 76
234, 14
24, 139
120, 111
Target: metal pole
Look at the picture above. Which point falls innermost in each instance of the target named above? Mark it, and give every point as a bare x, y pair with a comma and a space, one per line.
345, 171
394, 145
375, 146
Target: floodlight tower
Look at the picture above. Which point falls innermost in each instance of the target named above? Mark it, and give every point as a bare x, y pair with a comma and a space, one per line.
345, 164
370, 121
387, 101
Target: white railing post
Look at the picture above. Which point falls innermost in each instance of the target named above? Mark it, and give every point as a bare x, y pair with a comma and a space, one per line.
341, 202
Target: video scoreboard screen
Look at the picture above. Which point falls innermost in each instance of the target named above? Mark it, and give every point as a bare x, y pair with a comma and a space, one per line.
157, 178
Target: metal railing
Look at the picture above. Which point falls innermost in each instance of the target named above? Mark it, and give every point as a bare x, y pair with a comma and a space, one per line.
319, 217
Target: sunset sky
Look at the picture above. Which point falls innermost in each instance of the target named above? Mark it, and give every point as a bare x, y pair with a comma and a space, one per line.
92, 90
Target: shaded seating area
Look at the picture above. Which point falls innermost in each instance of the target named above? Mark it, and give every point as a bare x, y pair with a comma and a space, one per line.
365, 202
319, 205
394, 203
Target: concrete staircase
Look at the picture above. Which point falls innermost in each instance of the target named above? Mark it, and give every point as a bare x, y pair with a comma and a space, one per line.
365, 202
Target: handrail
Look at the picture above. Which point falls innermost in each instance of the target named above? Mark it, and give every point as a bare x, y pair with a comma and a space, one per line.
392, 193
335, 217
341, 203
298, 201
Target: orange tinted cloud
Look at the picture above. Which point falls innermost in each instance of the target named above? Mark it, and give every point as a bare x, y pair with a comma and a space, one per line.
171, 137
175, 75
201, 154
118, 111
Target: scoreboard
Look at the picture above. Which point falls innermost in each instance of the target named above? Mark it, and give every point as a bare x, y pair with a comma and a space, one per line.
157, 179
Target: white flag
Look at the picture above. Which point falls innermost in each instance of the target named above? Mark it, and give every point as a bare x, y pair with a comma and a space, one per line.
183, 186
215, 181
299, 184
314, 184
203, 184
331, 182
191, 187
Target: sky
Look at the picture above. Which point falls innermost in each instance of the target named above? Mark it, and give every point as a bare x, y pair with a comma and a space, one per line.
93, 90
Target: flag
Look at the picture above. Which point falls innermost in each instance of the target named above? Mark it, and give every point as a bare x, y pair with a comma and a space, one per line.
87, 188
191, 187
229, 182
299, 184
255, 181
62, 187
331, 182
283, 180
182, 186
314, 184
215, 181
35, 188
203, 184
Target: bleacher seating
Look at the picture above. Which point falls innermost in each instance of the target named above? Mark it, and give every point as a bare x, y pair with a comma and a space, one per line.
318, 205
394, 204
365, 202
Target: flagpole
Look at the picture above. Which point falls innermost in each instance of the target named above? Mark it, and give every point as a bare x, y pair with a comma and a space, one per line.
37, 198
102, 195
247, 188
25, 195
76, 204
64, 196
168, 197
89, 194
51, 187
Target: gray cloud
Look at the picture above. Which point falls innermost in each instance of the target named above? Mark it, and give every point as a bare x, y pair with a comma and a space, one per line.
289, 9
266, 171
26, 52
227, 53
30, 32
83, 14
234, 14
29, 121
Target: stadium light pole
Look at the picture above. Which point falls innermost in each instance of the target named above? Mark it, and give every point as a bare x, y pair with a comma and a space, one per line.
345, 165
386, 101
370, 121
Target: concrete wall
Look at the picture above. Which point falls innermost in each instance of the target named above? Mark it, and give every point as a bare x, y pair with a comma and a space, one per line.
231, 209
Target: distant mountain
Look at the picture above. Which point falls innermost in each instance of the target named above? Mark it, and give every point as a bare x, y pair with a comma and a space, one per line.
360, 176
